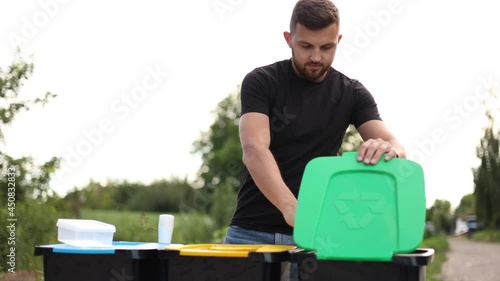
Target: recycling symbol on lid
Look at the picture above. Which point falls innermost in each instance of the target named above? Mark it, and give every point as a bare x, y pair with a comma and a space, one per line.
374, 202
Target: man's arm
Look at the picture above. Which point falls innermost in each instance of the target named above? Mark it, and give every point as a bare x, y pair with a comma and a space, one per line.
255, 139
378, 140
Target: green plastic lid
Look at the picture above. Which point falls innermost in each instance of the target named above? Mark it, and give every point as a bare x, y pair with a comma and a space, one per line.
348, 210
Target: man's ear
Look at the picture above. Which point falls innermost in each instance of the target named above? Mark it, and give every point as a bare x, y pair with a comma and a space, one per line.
288, 38
340, 37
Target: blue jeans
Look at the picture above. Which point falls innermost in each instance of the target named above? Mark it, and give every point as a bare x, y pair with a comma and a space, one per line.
238, 235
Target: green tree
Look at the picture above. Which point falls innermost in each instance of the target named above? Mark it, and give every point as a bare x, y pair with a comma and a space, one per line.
167, 196
466, 207
171, 196
487, 175
220, 147
11, 81
221, 166
23, 184
31, 180
440, 215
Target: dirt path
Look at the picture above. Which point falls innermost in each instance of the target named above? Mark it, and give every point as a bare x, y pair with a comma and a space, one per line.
471, 261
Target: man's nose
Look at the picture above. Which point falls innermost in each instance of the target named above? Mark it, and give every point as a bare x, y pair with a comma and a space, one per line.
315, 56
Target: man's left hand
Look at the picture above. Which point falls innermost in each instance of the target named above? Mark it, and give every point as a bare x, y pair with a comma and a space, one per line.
372, 150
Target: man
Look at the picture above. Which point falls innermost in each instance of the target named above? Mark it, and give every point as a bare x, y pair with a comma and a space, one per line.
291, 112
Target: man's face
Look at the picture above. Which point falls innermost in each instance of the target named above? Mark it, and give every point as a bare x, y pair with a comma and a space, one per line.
313, 50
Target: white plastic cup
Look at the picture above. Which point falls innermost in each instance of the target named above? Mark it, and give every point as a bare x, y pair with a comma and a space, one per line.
165, 229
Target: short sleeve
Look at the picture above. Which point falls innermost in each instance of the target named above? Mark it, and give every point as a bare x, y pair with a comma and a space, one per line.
255, 93
364, 105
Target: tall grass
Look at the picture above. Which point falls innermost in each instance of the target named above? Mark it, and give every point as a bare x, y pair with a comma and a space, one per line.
489, 235
189, 228
441, 247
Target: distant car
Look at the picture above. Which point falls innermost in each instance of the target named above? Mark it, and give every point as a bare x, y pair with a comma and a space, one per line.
472, 225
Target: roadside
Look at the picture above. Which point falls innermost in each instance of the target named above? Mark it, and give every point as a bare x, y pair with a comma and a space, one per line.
19, 276
469, 260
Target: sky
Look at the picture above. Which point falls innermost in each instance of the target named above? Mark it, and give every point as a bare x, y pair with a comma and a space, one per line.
137, 81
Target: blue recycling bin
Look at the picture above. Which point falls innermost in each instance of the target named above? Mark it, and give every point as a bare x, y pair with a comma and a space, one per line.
123, 261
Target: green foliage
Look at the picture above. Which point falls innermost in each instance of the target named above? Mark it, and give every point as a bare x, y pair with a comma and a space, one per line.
159, 196
220, 172
440, 215
31, 180
189, 228
222, 210
466, 207
11, 81
352, 140
220, 147
487, 176
440, 245
34, 206
35, 225
194, 227
123, 193
428, 233
130, 225
489, 235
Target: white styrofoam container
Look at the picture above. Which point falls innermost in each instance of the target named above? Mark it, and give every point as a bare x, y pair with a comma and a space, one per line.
85, 233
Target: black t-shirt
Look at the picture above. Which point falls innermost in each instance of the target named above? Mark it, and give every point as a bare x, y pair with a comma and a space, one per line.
307, 120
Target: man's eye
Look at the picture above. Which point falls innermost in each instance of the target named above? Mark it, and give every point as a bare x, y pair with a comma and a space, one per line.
306, 46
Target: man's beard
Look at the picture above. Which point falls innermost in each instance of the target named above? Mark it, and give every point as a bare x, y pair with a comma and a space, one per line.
307, 74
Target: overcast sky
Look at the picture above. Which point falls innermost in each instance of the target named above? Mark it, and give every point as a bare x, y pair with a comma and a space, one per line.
137, 80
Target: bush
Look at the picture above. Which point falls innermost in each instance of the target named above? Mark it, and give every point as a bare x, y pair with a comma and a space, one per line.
440, 245
35, 225
489, 235
222, 209
192, 227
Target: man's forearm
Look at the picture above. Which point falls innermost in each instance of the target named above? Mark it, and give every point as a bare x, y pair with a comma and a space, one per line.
265, 172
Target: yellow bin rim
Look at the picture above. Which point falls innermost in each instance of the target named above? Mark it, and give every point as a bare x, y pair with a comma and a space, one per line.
229, 250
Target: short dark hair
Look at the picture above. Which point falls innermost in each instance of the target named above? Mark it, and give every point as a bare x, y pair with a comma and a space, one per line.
314, 14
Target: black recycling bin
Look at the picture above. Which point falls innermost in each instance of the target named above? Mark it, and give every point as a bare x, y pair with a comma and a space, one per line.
403, 267
124, 261
211, 262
